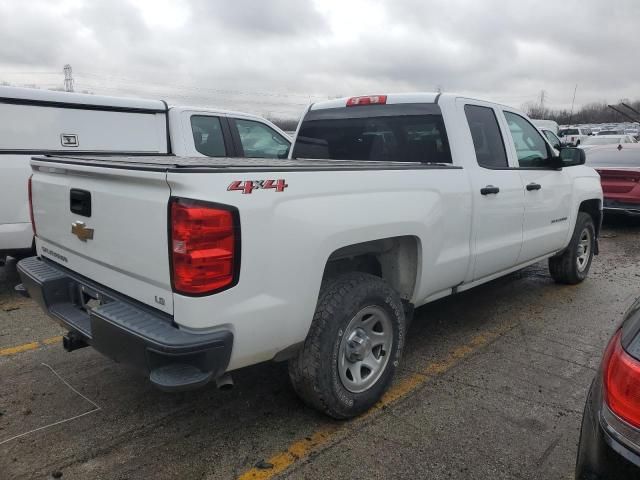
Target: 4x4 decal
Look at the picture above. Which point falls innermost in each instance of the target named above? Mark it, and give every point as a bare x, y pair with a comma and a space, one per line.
248, 186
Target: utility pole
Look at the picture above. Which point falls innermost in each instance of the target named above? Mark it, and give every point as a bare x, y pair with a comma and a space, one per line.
572, 103
68, 78
542, 110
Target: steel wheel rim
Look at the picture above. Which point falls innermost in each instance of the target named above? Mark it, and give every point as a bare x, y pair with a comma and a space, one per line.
584, 250
365, 349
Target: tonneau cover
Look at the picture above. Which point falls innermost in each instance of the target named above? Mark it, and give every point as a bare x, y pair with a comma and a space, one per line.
173, 163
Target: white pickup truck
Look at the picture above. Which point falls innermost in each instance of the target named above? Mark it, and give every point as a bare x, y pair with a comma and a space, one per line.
574, 136
44, 122
190, 268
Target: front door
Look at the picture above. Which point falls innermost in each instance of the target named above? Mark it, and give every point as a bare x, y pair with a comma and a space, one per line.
547, 190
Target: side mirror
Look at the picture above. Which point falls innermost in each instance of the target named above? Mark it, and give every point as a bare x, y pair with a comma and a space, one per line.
570, 157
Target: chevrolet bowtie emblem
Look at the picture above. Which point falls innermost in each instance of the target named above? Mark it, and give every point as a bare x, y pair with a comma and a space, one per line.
80, 230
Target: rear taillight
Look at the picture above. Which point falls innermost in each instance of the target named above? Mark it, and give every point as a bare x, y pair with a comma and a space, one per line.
622, 382
33, 222
367, 100
204, 246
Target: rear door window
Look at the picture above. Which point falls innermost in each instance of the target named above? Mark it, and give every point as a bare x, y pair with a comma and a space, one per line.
207, 135
487, 139
261, 141
399, 138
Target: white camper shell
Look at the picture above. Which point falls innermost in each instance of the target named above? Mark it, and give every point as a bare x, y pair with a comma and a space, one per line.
37, 122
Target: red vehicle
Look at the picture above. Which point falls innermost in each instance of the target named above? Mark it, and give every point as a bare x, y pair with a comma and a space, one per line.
619, 169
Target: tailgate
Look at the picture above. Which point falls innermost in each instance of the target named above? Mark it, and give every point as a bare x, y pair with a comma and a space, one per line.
127, 250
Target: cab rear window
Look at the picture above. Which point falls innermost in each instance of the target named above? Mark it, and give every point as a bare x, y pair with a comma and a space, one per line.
400, 138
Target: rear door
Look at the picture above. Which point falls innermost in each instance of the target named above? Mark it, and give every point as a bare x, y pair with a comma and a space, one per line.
108, 224
547, 191
497, 193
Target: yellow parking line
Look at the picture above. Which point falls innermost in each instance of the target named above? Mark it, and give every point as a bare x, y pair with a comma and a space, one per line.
5, 352
303, 448
298, 449
25, 347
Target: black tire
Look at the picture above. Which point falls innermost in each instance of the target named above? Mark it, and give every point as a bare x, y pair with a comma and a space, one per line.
314, 371
565, 268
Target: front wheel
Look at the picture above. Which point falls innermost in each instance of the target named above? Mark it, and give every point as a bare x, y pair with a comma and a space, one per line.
353, 346
573, 265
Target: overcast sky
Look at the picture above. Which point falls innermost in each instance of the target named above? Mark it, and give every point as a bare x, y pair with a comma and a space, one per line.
274, 56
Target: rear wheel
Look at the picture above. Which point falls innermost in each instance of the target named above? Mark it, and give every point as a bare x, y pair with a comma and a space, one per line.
353, 346
573, 265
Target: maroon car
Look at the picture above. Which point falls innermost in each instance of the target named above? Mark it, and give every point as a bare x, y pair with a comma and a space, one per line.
619, 169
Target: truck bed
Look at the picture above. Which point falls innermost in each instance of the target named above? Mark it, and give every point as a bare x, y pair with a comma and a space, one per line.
209, 164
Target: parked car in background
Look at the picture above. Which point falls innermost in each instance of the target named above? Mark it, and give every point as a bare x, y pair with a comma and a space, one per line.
386, 203
573, 136
619, 169
546, 125
609, 447
36, 122
607, 140
611, 132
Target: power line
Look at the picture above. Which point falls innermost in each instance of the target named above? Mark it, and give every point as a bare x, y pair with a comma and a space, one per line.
29, 73
186, 95
130, 80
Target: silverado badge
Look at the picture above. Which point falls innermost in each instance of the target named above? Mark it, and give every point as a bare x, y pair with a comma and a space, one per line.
80, 230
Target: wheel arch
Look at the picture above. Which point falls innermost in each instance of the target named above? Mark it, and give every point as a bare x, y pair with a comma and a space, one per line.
395, 259
593, 207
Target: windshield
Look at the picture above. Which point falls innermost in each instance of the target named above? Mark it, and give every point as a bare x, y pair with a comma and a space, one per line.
612, 157
601, 140
400, 138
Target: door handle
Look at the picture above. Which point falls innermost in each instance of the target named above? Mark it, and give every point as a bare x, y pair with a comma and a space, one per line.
534, 186
489, 189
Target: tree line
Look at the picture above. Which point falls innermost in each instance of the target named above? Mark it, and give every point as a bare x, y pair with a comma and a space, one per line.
597, 112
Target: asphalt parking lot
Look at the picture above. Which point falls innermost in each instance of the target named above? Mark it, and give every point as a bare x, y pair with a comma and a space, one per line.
492, 386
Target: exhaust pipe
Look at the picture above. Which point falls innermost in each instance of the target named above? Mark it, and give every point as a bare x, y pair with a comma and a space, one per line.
73, 341
224, 382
